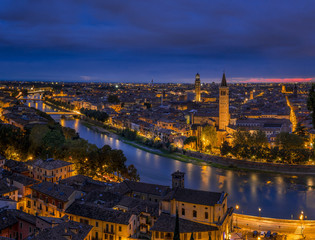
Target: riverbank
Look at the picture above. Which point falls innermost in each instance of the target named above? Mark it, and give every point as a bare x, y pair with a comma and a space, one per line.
211, 160
206, 159
100, 129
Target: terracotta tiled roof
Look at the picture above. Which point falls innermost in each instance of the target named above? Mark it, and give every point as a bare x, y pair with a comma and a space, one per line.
195, 196
97, 212
166, 223
57, 191
66, 230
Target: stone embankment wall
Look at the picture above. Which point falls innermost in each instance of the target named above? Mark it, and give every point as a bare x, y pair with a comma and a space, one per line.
261, 166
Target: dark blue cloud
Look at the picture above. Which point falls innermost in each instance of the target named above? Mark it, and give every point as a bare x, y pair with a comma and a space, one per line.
167, 40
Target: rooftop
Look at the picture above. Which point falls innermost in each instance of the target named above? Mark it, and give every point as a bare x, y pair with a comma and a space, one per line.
195, 196
49, 164
57, 191
98, 212
166, 223
132, 186
66, 230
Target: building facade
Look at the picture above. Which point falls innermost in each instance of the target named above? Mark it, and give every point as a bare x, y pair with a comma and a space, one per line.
50, 170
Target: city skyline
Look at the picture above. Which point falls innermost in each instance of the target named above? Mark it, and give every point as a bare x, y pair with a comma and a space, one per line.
167, 42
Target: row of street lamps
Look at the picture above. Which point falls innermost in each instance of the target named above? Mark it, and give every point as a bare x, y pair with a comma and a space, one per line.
237, 207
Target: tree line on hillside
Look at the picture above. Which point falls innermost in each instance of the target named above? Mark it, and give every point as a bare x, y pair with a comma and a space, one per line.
53, 140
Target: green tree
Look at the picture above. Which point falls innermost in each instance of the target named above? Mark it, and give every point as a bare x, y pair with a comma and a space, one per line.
176, 230
258, 138
69, 133
287, 140
241, 137
192, 140
209, 137
192, 236
225, 148
37, 133
132, 173
52, 143
311, 103
300, 130
113, 99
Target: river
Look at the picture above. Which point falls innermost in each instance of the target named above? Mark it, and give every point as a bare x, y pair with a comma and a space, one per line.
281, 196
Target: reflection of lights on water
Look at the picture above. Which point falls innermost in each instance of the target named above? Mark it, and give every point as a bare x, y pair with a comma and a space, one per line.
280, 187
189, 167
253, 185
177, 164
229, 181
117, 143
62, 122
205, 176
310, 183
76, 124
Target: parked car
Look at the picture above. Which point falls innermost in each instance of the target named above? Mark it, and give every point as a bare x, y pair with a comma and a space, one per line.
274, 235
262, 233
268, 235
255, 233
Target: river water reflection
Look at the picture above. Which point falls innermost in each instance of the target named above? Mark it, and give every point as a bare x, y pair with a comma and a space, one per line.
277, 195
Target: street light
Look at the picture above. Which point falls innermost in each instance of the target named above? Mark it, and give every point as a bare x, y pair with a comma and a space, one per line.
236, 207
301, 218
259, 210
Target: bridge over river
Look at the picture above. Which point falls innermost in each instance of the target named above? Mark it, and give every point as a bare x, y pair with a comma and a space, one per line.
63, 113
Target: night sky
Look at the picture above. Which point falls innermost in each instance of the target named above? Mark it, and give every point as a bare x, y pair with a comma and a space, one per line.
169, 41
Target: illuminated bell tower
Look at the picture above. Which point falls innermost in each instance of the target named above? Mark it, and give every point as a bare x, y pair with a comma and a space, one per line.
197, 88
224, 102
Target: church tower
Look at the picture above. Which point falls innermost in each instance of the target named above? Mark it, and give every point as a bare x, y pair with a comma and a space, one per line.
224, 102
178, 179
197, 88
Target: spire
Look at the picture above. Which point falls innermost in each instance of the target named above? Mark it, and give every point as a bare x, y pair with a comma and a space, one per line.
223, 82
